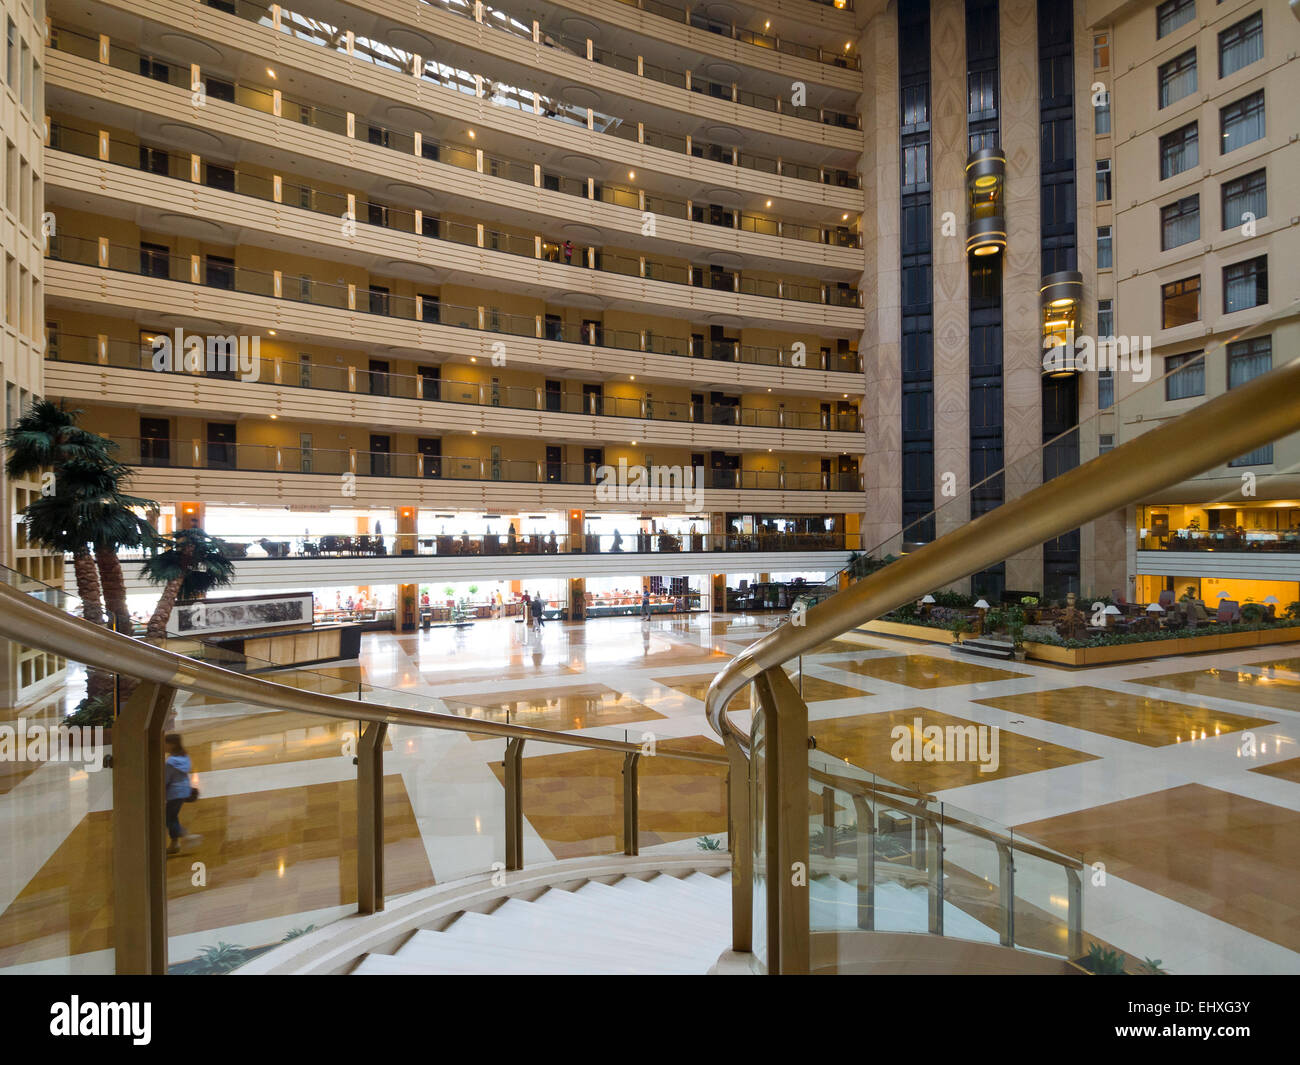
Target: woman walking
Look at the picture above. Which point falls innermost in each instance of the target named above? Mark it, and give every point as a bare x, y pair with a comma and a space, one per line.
179, 791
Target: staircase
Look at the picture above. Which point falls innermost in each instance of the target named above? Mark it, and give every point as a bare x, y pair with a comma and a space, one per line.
985, 647
662, 925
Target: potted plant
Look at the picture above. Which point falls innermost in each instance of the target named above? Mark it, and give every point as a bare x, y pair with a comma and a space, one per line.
1016, 631
1029, 604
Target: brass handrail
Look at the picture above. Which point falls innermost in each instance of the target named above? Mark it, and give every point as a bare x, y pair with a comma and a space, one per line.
1246, 417
893, 798
27, 621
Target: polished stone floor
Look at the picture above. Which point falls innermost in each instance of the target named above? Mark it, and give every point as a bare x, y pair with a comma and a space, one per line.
1177, 781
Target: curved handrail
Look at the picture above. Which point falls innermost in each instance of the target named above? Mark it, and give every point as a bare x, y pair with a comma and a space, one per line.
1244, 418
27, 621
893, 798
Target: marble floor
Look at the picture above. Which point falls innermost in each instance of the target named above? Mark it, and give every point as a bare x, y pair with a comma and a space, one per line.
1177, 781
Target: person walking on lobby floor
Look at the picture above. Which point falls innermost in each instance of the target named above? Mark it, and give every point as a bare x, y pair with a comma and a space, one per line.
179, 791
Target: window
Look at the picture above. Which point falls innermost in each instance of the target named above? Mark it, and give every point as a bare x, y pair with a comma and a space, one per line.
1241, 44
1242, 122
1179, 150
982, 92
154, 260
220, 177
1185, 375
916, 164
1105, 442
1180, 302
1180, 222
1104, 248
1245, 284
1248, 359
1172, 14
1103, 180
1246, 195
1105, 389
1105, 318
11, 54
916, 105
1101, 115
1101, 51
1177, 78
216, 89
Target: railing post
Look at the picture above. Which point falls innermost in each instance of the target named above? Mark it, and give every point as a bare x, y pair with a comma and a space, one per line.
1007, 893
933, 830
370, 818
1075, 913
866, 844
514, 767
785, 821
828, 812
139, 858
631, 817
740, 841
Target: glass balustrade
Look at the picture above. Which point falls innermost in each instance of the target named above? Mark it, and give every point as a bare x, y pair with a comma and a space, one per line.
158, 262
86, 144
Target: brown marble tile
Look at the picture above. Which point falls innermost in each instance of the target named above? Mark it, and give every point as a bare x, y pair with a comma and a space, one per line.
574, 799
560, 709
1288, 769
1136, 718
1230, 857
925, 671
267, 853
1248, 688
815, 689
867, 743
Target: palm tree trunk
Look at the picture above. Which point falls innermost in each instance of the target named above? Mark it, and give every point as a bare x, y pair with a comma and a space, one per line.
99, 685
114, 584
92, 603
157, 628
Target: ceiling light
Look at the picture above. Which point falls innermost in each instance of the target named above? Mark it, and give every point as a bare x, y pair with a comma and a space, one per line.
768, 204
271, 332
270, 73
631, 175
472, 134
767, 25
844, 217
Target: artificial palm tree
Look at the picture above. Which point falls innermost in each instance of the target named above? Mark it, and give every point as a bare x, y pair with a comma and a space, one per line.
190, 566
47, 438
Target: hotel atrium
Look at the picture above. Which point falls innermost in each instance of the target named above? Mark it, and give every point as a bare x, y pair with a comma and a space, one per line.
650, 486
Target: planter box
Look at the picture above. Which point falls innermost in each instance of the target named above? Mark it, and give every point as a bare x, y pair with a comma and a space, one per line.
1187, 645
911, 632
1097, 656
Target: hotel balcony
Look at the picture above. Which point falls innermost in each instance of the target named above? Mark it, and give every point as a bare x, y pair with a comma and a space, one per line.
290, 475
467, 257
318, 393
693, 148
107, 279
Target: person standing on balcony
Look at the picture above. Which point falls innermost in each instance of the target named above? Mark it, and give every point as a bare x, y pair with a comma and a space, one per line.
568, 253
178, 792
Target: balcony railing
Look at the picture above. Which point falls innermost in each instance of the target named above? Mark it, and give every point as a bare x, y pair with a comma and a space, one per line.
700, 20
306, 27
160, 263
262, 98
1248, 541
138, 356
277, 546
273, 458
